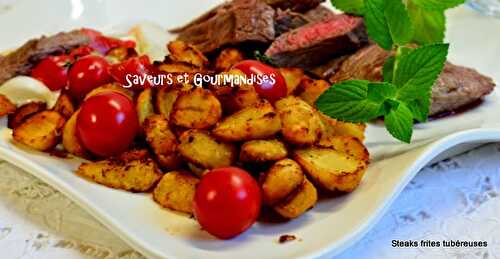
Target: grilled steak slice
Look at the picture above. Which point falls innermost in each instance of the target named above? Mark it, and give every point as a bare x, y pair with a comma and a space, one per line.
295, 5
316, 43
319, 13
22, 60
456, 87
288, 20
231, 23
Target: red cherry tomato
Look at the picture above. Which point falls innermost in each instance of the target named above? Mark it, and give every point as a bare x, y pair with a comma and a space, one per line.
53, 71
227, 202
81, 52
136, 66
86, 74
107, 123
270, 84
103, 44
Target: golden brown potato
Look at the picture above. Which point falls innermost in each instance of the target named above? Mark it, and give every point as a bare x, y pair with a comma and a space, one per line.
114, 87
198, 171
350, 129
293, 77
24, 112
176, 191
70, 141
310, 90
201, 149
300, 123
6, 106
196, 109
331, 169
64, 106
228, 58
348, 145
183, 52
136, 175
177, 68
162, 141
133, 154
237, 96
298, 204
282, 179
259, 121
165, 99
144, 105
263, 151
41, 131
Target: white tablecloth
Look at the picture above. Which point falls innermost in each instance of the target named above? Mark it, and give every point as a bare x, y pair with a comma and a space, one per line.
454, 199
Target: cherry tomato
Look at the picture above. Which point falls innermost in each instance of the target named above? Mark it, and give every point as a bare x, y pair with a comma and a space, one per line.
103, 44
81, 52
86, 74
269, 83
136, 66
53, 71
107, 123
227, 202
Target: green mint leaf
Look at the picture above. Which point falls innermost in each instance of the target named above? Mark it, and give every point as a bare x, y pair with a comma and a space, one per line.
388, 69
399, 122
415, 75
355, 100
438, 4
430, 24
350, 6
388, 22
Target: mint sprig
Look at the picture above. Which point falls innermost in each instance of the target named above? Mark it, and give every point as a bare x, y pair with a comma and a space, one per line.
405, 94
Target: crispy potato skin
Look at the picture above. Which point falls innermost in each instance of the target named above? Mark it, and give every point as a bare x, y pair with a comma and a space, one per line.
70, 140
348, 145
41, 131
165, 99
310, 89
162, 141
196, 109
237, 96
111, 87
183, 52
24, 112
6, 106
301, 124
203, 150
144, 105
259, 121
282, 179
263, 151
305, 198
228, 58
65, 106
293, 77
350, 129
136, 175
176, 191
331, 169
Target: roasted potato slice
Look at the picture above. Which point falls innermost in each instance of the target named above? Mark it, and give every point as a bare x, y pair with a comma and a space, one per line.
144, 105
111, 87
136, 175
228, 58
64, 106
174, 67
330, 168
41, 131
237, 96
198, 171
183, 52
196, 109
263, 151
310, 90
350, 129
6, 106
162, 141
300, 123
165, 99
201, 149
293, 77
176, 191
282, 179
24, 112
259, 121
305, 198
348, 145
70, 141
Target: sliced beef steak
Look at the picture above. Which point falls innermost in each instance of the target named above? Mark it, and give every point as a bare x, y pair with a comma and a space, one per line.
295, 5
22, 60
316, 43
231, 23
288, 20
319, 13
456, 87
